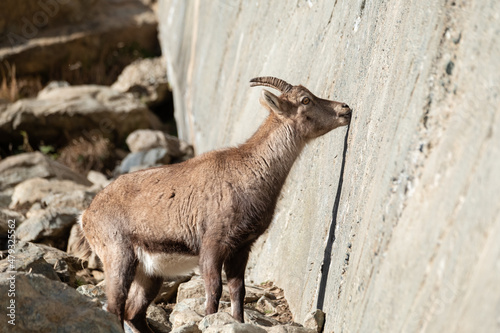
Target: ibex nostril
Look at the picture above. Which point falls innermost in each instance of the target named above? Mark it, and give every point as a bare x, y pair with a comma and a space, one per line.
345, 106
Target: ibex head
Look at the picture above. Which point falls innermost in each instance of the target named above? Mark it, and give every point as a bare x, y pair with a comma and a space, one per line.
312, 116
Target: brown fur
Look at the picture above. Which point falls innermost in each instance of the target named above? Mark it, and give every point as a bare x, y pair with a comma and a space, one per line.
213, 206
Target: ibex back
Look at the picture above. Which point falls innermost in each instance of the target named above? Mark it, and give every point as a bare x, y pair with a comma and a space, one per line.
207, 211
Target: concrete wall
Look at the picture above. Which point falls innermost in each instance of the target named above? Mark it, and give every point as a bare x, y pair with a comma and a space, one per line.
393, 224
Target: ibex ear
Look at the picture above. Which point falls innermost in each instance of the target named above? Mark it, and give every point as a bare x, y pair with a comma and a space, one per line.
270, 101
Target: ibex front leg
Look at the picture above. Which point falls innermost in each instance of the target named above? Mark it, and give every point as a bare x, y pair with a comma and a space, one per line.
211, 267
235, 271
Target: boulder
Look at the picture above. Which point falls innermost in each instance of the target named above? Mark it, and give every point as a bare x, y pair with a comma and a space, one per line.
48, 261
289, 329
87, 110
77, 33
143, 160
29, 259
145, 78
169, 289
54, 192
50, 226
235, 328
183, 315
315, 320
158, 319
44, 305
17, 168
195, 288
187, 328
143, 140
216, 319
93, 292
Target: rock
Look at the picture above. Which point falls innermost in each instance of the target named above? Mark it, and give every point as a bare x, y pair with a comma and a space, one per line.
216, 319
29, 258
144, 159
183, 315
54, 192
235, 328
146, 78
80, 34
93, 291
158, 319
169, 289
6, 198
195, 288
257, 318
266, 306
143, 140
289, 329
43, 305
51, 226
18, 168
75, 198
188, 328
78, 111
5, 216
99, 180
315, 320
48, 261
254, 293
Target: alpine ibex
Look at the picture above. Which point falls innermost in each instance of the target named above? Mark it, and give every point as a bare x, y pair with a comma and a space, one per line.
206, 211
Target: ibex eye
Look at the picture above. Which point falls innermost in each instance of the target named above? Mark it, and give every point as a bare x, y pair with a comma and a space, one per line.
305, 100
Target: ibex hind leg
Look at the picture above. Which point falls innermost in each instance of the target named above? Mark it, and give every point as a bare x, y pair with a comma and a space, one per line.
142, 292
119, 271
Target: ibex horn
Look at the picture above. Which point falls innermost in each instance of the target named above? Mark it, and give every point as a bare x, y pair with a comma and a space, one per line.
272, 82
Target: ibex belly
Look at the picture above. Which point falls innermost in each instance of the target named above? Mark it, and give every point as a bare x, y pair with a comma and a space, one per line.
166, 264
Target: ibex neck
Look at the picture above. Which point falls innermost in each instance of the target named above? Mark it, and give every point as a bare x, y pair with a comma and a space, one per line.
273, 149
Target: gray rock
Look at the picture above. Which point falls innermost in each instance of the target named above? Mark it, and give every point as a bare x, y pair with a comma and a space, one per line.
29, 258
44, 37
289, 329
257, 318
169, 289
183, 315
94, 292
146, 78
158, 319
315, 320
143, 140
143, 159
235, 328
266, 305
43, 305
188, 328
18, 168
216, 319
48, 225
48, 261
99, 180
55, 192
79, 111
5, 216
195, 288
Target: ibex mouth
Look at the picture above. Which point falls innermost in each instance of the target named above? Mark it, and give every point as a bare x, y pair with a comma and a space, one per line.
347, 113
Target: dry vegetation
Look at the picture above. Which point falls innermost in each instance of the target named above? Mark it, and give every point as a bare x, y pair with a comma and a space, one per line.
83, 155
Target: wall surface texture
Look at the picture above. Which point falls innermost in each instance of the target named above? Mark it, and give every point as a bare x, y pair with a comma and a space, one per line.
392, 224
